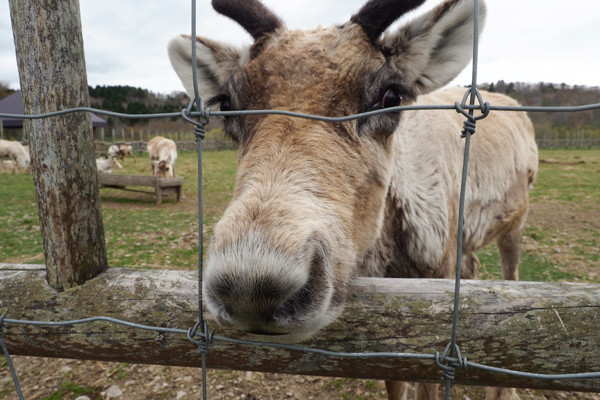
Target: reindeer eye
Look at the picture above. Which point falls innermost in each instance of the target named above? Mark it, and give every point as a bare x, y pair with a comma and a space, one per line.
222, 100
225, 104
391, 98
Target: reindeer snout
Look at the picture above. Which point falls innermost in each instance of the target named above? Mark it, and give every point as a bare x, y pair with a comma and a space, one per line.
259, 305
268, 292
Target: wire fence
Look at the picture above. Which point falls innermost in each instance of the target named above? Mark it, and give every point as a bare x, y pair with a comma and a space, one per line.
198, 115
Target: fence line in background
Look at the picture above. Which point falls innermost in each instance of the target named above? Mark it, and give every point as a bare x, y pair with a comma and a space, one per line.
573, 140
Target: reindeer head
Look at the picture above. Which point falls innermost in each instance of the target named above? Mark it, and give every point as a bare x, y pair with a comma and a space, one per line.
309, 196
164, 169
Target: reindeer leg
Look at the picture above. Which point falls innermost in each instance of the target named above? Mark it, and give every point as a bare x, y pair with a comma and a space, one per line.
396, 390
509, 246
501, 393
470, 266
427, 391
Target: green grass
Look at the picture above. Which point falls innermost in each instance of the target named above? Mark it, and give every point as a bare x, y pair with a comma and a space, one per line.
532, 267
140, 234
568, 176
19, 223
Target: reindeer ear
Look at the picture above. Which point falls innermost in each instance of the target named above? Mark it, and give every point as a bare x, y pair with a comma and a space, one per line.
433, 49
215, 63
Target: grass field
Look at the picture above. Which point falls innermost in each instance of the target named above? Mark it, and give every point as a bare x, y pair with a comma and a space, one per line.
562, 234
561, 242
561, 237
138, 233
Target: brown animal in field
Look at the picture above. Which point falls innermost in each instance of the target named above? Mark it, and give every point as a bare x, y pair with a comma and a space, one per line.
162, 153
120, 151
17, 153
317, 204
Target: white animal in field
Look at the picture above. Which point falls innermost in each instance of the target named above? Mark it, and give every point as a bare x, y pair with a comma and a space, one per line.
106, 165
17, 153
316, 203
120, 151
163, 154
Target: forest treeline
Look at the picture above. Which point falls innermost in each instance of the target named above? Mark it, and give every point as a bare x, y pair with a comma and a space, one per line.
133, 100
129, 99
555, 124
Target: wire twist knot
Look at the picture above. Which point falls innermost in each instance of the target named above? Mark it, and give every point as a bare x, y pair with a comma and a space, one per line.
449, 364
469, 125
206, 336
203, 117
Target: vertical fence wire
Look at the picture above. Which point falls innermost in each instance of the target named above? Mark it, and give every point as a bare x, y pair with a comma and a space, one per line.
200, 133
11, 366
452, 349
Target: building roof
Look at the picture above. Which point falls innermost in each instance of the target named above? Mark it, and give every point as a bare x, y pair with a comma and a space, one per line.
13, 104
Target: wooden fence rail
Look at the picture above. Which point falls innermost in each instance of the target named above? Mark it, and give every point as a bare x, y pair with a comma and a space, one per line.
539, 327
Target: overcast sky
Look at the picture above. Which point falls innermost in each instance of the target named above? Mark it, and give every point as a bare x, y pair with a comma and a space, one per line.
524, 40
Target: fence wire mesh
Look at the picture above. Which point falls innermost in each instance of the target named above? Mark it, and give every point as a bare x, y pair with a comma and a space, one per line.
448, 361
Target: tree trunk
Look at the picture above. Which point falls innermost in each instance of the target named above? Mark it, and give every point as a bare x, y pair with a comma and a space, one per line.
548, 328
51, 63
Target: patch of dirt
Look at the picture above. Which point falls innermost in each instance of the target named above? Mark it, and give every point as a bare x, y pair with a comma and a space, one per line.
125, 200
41, 378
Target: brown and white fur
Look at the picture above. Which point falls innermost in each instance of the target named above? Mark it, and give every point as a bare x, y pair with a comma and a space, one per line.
120, 151
17, 153
163, 154
317, 203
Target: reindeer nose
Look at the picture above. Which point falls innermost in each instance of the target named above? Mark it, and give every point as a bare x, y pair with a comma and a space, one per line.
257, 285
256, 305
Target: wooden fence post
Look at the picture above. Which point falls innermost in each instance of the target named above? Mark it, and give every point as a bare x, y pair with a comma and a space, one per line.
49, 47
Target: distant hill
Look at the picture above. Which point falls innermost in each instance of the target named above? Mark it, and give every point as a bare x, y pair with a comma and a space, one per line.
555, 124
132, 100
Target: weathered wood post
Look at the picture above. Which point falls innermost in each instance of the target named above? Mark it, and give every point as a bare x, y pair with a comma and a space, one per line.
49, 47
539, 327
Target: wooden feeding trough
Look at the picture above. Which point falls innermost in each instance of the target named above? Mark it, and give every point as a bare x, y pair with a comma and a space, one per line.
162, 186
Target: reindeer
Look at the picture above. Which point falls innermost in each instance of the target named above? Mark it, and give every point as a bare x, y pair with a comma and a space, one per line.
18, 154
316, 203
162, 153
120, 151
